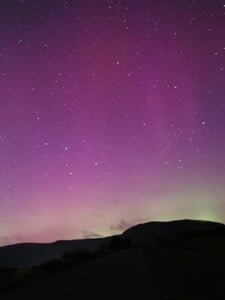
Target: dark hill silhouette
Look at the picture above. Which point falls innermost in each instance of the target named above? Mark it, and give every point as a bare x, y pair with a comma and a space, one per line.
153, 232
31, 254
157, 260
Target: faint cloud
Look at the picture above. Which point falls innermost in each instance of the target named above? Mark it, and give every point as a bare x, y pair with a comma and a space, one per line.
89, 234
124, 225
4, 241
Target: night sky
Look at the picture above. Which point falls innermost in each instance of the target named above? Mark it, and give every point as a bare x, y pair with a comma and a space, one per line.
112, 113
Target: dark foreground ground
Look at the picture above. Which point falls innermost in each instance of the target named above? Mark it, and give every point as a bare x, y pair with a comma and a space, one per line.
122, 275
189, 270
175, 261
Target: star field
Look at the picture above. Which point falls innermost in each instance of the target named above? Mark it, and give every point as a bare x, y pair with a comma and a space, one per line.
111, 113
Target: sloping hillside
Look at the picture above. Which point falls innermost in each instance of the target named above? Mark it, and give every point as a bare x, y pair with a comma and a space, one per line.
176, 260
31, 254
118, 276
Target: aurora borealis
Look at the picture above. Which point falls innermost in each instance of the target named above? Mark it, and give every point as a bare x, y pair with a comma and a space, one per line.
112, 113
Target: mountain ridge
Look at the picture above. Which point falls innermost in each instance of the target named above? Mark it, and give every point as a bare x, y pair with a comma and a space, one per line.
30, 254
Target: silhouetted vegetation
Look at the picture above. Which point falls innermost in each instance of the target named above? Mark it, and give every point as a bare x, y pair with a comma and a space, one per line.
116, 243
188, 265
19, 277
